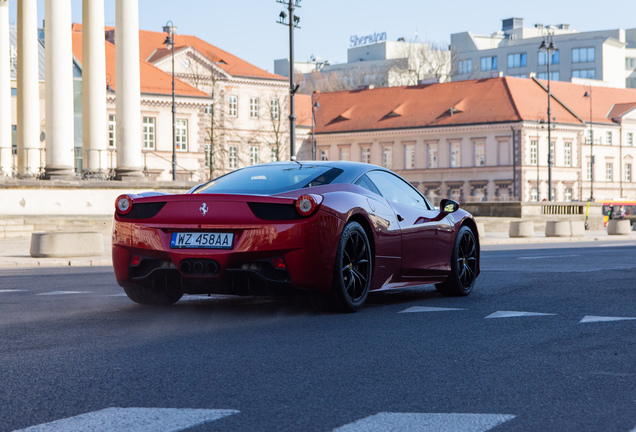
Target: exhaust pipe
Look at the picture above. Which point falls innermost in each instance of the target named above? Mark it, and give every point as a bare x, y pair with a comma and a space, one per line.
198, 267
184, 266
212, 267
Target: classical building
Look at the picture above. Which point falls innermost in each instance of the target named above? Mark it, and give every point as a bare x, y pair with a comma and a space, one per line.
605, 55
487, 139
110, 116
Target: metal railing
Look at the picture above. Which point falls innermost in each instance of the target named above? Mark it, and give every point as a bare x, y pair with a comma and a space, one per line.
151, 152
30, 162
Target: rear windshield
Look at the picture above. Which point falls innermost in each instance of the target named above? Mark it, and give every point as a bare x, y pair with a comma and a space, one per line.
271, 179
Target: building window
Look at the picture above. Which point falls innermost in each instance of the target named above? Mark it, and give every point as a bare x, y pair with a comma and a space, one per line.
275, 109
273, 155
552, 145
454, 155
568, 194
489, 63
344, 153
324, 155
568, 154
516, 60
208, 156
628, 172
112, 131
630, 138
534, 148
365, 154
554, 76
181, 132
584, 73
209, 109
608, 137
456, 194
409, 157
480, 154
534, 194
233, 156
465, 67
253, 155
520, 75
582, 55
386, 157
233, 106
589, 170
149, 133
254, 108
432, 155
608, 171
543, 58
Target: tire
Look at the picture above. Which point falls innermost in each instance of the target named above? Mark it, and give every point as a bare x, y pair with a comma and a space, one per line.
352, 269
461, 280
152, 295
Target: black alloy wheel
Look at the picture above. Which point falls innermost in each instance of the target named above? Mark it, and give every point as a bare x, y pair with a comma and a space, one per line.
352, 270
464, 263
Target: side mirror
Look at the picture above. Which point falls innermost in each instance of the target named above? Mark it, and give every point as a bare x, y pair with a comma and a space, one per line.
448, 206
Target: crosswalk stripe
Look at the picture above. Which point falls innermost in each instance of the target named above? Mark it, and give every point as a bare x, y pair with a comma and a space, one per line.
514, 314
133, 420
63, 293
425, 422
592, 318
428, 309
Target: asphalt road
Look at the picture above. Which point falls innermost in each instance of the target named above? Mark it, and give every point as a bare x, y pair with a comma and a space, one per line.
541, 345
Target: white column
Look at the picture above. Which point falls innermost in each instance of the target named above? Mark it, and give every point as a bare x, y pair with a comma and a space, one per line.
127, 90
5, 91
28, 86
93, 86
59, 90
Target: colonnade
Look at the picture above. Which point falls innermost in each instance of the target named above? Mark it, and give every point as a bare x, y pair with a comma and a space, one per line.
59, 117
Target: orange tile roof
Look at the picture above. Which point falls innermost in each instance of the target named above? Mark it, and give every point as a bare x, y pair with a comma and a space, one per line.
493, 100
151, 48
302, 108
153, 80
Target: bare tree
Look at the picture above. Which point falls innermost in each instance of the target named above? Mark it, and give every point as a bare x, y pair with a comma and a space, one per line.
422, 61
351, 78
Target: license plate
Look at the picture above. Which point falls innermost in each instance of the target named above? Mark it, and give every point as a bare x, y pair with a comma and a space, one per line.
199, 240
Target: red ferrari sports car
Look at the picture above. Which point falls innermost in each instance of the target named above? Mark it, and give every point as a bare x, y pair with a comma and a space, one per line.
343, 228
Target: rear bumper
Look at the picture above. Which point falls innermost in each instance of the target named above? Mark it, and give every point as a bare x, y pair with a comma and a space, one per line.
307, 248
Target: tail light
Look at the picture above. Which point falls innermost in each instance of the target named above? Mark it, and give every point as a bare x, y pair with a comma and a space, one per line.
307, 204
123, 204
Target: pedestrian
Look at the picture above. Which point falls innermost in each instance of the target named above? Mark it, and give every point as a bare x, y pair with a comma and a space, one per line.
621, 212
610, 213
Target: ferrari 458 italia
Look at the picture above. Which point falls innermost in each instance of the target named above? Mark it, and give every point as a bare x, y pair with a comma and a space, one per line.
341, 228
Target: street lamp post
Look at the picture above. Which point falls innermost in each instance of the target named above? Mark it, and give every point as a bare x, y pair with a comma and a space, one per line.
547, 46
293, 23
314, 106
169, 42
588, 93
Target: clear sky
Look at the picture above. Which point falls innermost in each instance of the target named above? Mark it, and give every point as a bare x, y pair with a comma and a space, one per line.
248, 28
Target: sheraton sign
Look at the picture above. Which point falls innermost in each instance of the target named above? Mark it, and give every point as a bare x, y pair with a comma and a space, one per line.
367, 40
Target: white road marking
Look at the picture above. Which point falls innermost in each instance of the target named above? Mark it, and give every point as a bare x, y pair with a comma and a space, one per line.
513, 314
63, 293
133, 420
423, 422
546, 256
428, 309
12, 290
592, 318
